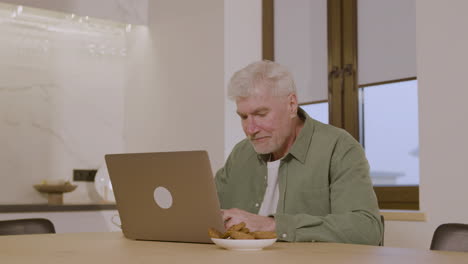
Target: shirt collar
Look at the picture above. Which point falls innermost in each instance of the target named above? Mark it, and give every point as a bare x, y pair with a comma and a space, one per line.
300, 146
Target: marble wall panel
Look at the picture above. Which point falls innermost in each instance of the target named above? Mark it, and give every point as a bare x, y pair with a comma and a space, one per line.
61, 102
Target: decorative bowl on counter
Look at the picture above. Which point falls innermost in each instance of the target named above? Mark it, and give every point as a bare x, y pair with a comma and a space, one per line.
55, 191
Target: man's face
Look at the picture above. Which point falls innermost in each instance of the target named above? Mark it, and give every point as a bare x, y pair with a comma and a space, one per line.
267, 121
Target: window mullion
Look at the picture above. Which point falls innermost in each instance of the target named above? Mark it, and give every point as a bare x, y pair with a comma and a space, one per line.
335, 63
349, 55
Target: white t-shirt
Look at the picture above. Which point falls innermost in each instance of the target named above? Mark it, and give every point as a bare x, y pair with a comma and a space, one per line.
270, 200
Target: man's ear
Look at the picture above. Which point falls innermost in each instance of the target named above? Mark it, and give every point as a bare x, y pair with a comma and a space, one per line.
292, 104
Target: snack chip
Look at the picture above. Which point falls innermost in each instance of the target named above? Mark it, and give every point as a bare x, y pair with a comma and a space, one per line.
237, 227
214, 233
239, 231
240, 235
263, 234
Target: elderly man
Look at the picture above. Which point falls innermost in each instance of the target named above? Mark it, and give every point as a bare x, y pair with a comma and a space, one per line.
306, 180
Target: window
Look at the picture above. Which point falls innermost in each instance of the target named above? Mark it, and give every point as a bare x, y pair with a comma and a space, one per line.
317, 110
389, 134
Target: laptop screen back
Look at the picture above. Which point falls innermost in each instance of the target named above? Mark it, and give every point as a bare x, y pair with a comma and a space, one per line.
165, 196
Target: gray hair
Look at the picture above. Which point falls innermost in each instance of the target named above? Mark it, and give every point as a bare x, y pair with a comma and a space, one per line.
273, 75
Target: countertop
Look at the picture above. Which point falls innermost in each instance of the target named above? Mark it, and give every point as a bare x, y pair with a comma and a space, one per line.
27, 208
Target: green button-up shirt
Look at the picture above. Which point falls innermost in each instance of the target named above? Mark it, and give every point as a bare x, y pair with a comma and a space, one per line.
325, 190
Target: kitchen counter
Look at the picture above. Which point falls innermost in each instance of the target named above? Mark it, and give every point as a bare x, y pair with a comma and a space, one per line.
26, 208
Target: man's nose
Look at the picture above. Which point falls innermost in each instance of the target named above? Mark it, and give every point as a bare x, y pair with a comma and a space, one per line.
252, 127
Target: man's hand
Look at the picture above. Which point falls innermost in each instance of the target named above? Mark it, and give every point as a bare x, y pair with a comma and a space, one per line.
253, 222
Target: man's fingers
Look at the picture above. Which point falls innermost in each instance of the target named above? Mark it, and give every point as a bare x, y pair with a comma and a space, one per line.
227, 218
235, 216
225, 215
227, 224
228, 214
231, 222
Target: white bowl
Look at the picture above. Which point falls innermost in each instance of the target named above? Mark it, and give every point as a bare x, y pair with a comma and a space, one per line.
244, 244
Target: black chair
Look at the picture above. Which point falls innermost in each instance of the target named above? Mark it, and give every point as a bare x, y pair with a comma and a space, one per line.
26, 226
450, 237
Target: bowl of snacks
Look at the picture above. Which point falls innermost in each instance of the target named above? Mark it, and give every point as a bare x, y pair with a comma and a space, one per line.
239, 237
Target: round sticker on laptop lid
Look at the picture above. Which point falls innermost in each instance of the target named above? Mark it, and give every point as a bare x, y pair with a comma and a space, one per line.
163, 197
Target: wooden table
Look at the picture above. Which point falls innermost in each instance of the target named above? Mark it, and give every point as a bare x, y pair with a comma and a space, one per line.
112, 247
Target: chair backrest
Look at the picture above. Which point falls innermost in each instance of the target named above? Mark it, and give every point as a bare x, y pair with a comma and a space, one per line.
450, 237
26, 226
383, 232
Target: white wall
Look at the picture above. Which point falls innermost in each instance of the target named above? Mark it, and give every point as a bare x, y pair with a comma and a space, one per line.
175, 96
156, 84
441, 66
243, 45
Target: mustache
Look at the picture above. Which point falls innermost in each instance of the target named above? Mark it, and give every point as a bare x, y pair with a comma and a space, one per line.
254, 137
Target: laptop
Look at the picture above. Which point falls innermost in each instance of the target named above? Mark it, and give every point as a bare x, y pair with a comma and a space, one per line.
165, 196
